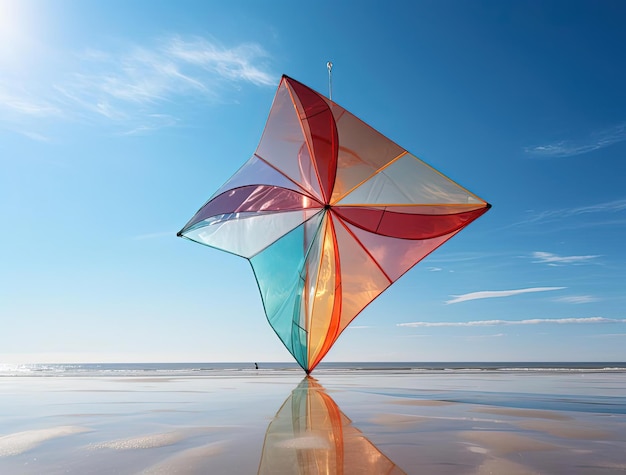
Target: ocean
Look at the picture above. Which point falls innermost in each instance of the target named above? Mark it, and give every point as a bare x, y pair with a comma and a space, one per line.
198, 369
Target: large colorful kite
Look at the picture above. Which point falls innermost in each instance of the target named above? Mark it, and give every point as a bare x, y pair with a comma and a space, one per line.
329, 213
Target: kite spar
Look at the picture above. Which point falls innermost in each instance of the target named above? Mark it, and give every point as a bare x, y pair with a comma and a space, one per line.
329, 213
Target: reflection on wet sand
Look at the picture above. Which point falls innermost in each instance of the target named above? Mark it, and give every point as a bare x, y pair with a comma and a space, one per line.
310, 435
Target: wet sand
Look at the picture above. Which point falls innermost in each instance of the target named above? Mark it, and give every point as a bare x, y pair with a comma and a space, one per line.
247, 422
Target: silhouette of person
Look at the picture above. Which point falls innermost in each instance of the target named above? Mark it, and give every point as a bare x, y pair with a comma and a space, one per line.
256, 366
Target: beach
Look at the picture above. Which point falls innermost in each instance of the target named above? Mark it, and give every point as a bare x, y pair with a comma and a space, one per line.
270, 421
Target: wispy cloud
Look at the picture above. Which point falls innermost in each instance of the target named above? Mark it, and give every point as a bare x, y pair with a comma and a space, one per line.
490, 294
23, 104
534, 321
570, 148
175, 66
152, 122
555, 260
435, 269
238, 63
139, 88
136, 87
32, 135
577, 299
456, 257
606, 207
590, 215
21, 112
482, 337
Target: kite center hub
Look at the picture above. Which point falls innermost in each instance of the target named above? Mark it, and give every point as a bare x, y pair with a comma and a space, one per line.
326, 206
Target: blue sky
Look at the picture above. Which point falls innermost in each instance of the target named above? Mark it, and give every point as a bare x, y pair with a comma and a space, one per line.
119, 119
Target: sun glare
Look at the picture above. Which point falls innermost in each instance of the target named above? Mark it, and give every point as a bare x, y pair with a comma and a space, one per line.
15, 35
8, 18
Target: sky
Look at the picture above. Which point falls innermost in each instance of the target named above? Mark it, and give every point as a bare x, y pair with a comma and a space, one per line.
118, 120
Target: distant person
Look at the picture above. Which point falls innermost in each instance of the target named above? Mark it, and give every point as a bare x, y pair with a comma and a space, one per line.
256, 366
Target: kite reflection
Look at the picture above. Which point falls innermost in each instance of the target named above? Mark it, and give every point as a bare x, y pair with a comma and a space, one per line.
310, 435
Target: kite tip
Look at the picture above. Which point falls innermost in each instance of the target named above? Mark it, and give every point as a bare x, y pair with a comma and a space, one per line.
488, 205
179, 234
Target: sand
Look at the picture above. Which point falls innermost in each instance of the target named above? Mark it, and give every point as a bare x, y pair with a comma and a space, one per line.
278, 422
20, 442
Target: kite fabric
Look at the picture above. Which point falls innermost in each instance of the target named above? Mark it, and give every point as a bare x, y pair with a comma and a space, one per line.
329, 213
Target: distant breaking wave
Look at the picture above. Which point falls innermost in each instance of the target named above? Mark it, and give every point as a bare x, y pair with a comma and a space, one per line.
208, 369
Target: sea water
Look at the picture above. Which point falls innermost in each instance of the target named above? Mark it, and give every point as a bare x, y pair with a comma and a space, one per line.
179, 369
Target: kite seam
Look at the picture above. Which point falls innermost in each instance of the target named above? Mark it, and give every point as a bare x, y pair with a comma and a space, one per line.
378, 171
306, 141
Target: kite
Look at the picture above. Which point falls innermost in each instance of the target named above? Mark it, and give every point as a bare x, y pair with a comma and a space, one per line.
329, 213
310, 435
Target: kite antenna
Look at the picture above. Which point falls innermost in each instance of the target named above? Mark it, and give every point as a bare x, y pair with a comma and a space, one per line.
329, 65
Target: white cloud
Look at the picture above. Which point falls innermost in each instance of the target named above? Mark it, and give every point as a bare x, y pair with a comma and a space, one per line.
570, 148
456, 257
435, 269
489, 294
534, 321
554, 259
134, 88
482, 337
564, 213
143, 76
33, 135
173, 67
607, 213
137, 88
23, 105
236, 63
152, 122
21, 111
577, 299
